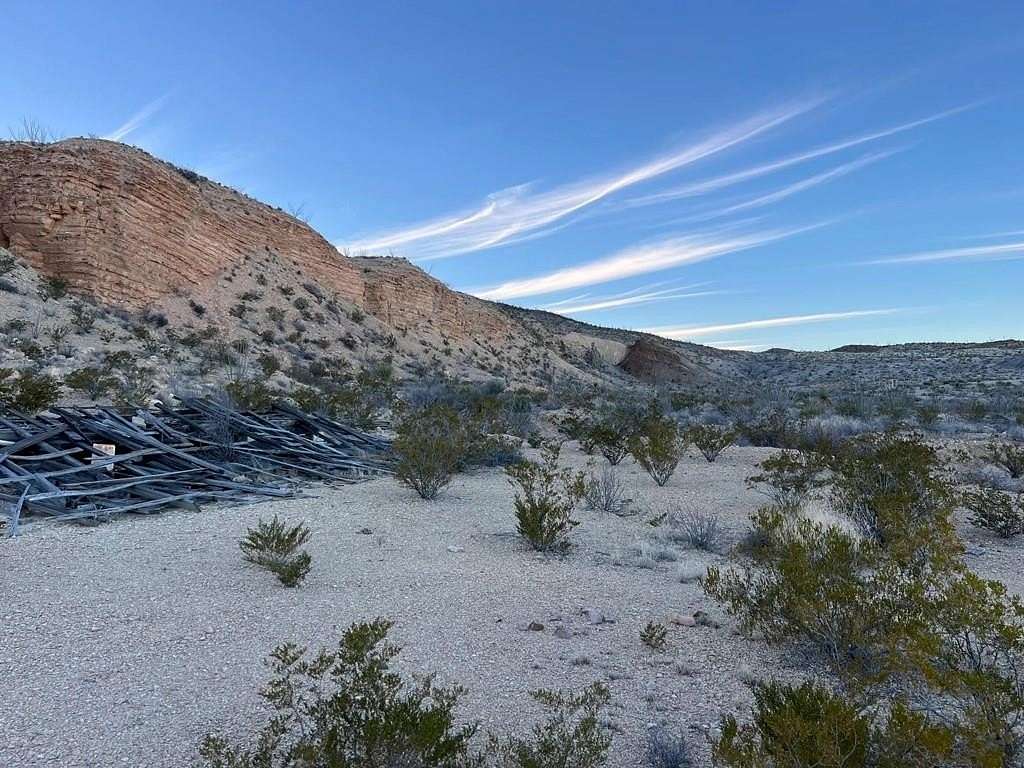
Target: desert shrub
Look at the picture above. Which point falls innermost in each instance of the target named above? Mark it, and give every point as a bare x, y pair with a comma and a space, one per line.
135, 386
570, 737
605, 492
346, 708
696, 529
710, 439
657, 447
91, 381
53, 288
809, 583
83, 317
795, 727
30, 391
275, 546
667, 749
1009, 456
654, 635
788, 478
250, 394
269, 363
973, 662
888, 484
1001, 513
609, 437
545, 498
7, 262
430, 446
928, 414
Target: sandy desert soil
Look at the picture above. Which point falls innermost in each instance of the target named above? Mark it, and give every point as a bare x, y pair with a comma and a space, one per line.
126, 643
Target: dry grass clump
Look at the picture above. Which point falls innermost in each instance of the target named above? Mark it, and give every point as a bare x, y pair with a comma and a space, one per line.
606, 492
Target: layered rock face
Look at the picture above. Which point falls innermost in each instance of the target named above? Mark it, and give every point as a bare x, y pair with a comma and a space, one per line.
404, 297
129, 229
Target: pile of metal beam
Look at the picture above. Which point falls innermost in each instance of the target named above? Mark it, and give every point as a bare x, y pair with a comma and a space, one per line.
89, 464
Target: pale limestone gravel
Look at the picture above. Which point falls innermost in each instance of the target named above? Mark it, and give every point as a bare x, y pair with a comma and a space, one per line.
123, 645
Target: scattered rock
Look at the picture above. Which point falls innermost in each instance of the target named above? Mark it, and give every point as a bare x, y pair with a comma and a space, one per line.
595, 616
365, 531
453, 548
563, 633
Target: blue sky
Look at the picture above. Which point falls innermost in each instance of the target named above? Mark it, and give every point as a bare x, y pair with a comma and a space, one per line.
728, 173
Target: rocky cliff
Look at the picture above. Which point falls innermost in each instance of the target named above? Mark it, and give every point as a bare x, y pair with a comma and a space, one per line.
135, 234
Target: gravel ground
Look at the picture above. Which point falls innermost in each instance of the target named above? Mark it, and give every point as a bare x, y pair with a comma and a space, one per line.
126, 643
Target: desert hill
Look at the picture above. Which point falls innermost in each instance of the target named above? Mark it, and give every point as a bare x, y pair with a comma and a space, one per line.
202, 281
140, 236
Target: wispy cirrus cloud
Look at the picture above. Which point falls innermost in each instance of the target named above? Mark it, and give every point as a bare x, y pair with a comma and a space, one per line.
518, 213
137, 120
1000, 252
696, 331
630, 298
636, 260
707, 186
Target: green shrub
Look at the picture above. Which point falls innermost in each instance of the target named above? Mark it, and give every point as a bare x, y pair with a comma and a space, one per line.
657, 447
610, 439
888, 485
275, 546
135, 387
250, 394
810, 583
30, 391
1001, 513
93, 382
53, 288
1009, 456
710, 440
796, 727
545, 498
430, 445
789, 477
654, 635
570, 737
346, 708
83, 317
7, 262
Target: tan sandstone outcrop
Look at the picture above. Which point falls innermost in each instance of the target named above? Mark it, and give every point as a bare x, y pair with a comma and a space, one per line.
129, 229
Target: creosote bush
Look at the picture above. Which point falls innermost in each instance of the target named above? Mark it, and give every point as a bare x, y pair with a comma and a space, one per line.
1001, 513
30, 391
931, 654
787, 478
275, 546
795, 727
1009, 456
431, 445
657, 447
347, 708
710, 440
546, 495
888, 485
